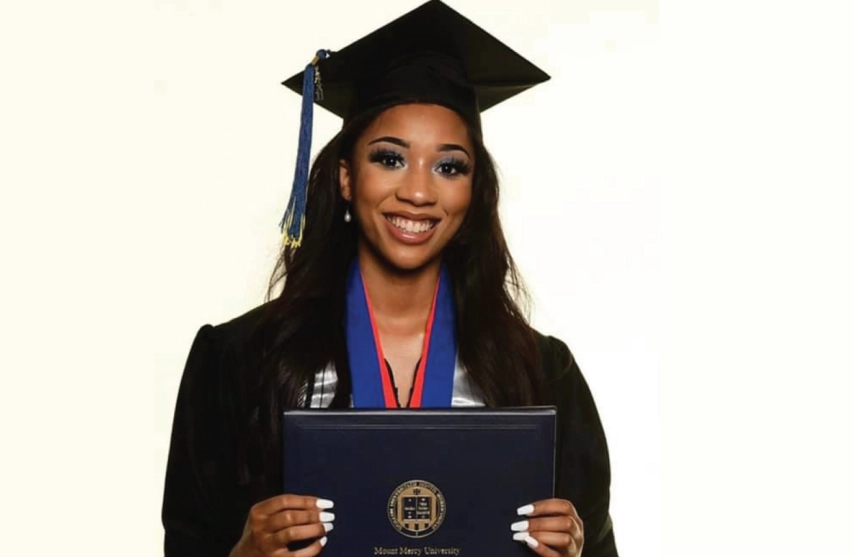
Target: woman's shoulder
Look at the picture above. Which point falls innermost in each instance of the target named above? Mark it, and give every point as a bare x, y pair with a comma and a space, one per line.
567, 385
239, 328
557, 361
232, 334
224, 350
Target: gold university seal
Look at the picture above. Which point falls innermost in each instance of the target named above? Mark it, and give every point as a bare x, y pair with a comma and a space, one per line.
416, 508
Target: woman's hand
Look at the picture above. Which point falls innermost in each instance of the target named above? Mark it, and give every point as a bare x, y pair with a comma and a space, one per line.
278, 522
552, 529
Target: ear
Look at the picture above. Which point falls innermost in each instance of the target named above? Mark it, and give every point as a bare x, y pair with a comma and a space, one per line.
344, 180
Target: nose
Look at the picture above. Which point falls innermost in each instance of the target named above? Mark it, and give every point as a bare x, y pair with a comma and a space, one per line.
418, 186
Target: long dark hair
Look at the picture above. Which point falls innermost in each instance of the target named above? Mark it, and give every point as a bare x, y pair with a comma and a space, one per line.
301, 332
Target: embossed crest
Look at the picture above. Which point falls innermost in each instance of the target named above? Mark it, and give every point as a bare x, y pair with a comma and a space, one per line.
416, 508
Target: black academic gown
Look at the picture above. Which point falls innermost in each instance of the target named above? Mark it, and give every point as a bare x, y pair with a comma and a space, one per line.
205, 506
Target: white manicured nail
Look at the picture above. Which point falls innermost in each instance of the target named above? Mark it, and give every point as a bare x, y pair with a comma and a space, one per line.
327, 517
328, 526
325, 504
527, 509
323, 541
519, 526
520, 536
531, 542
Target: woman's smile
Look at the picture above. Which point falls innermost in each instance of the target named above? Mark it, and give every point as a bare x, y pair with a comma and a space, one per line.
411, 231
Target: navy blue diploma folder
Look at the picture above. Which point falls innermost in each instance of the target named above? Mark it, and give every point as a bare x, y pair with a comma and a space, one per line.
422, 482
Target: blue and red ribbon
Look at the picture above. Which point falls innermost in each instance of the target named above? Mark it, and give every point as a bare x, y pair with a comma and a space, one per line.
434, 379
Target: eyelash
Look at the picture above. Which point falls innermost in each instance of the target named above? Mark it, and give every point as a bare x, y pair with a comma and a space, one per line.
457, 166
382, 156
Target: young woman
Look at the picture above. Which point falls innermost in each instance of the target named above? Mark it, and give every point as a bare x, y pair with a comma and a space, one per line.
401, 214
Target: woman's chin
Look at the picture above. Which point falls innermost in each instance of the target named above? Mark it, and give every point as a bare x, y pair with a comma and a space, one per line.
409, 262
406, 259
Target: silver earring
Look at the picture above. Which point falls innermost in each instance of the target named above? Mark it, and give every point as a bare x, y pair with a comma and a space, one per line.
347, 217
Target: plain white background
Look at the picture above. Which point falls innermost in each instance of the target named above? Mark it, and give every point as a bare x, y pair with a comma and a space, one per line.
147, 152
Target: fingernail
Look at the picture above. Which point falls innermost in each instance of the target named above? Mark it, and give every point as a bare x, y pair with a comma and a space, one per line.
531, 542
328, 526
527, 509
324, 504
520, 536
323, 541
327, 517
519, 526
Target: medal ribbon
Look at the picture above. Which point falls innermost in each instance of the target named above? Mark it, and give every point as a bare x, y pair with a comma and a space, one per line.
434, 378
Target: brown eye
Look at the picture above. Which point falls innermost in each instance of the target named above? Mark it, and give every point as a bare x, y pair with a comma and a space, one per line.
454, 167
386, 158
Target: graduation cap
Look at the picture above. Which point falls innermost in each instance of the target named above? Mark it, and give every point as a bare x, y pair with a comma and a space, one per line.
431, 54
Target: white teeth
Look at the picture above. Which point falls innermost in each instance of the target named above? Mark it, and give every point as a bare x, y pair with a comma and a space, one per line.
411, 226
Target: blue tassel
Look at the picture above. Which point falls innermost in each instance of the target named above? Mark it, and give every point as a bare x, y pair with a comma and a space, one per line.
293, 221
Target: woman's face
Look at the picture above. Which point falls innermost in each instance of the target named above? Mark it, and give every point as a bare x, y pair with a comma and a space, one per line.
410, 182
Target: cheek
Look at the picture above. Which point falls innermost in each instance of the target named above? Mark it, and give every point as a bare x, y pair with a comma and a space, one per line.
458, 198
371, 186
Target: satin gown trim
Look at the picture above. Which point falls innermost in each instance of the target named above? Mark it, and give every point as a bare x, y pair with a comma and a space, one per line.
465, 394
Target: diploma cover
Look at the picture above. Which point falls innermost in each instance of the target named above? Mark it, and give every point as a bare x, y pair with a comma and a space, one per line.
422, 482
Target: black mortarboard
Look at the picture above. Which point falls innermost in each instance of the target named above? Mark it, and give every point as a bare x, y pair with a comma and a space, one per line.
431, 54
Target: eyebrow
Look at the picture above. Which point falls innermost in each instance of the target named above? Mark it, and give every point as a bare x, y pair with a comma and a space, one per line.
397, 141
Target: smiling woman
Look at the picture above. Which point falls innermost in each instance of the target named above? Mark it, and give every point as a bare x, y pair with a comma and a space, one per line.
410, 184
392, 233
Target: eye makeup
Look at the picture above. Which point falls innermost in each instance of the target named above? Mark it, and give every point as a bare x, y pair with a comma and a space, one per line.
448, 166
386, 157
455, 166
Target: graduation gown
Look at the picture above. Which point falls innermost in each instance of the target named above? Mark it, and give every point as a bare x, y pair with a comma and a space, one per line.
205, 505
